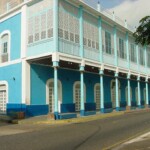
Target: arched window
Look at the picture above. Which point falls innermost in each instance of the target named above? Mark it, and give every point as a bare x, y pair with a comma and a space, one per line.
5, 46
3, 96
127, 94
113, 93
77, 95
97, 97
50, 95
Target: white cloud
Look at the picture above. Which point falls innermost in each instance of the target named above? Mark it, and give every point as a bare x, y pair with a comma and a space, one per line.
132, 10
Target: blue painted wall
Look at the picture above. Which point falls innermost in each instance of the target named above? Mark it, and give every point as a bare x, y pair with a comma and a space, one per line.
13, 24
40, 75
14, 86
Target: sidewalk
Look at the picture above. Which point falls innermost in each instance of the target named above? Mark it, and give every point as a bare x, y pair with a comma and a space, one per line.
46, 120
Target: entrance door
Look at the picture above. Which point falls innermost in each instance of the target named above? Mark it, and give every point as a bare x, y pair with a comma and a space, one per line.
50, 95
2, 98
77, 97
97, 96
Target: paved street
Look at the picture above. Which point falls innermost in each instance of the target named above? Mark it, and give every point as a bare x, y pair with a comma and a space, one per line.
94, 135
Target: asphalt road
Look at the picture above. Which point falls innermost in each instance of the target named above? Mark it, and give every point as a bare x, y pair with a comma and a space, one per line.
94, 135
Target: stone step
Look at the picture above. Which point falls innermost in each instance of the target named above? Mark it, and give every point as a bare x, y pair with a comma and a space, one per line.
67, 115
89, 113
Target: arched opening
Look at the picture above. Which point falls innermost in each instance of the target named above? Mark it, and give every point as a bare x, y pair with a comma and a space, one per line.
97, 97
113, 93
3, 97
127, 94
5, 46
50, 95
77, 95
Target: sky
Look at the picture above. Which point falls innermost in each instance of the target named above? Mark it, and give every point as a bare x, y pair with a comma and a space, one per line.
131, 10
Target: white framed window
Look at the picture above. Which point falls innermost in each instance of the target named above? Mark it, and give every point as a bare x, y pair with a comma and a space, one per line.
97, 97
133, 53
50, 94
113, 92
5, 46
3, 96
77, 95
108, 43
141, 57
122, 52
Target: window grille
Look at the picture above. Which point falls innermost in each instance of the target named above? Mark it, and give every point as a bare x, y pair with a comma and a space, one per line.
43, 26
40, 21
4, 48
91, 36
141, 56
68, 22
108, 42
3, 98
133, 53
122, 49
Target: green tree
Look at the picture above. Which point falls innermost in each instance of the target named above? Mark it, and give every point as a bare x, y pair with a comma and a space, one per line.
142, 33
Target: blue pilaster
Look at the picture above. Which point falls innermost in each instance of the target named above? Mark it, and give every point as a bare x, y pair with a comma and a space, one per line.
147, 97
82, 109
100, 39
139, 93
117, 92
55, 25
101, 91
55, 65
127, 49
115, 45
81, 31
129, 94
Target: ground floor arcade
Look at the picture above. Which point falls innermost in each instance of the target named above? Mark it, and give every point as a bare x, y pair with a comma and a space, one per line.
65, 87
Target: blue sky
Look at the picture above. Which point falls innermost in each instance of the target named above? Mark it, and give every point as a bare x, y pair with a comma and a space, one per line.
110, 3
130, 10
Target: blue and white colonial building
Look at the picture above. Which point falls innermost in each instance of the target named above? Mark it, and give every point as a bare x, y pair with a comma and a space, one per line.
67, 57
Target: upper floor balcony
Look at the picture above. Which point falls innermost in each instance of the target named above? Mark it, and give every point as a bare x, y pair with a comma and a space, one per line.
84, 31
8, 5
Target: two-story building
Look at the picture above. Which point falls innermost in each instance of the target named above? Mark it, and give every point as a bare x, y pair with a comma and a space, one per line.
67, 57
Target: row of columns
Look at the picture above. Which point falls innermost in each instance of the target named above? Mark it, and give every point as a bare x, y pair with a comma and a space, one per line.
82, 96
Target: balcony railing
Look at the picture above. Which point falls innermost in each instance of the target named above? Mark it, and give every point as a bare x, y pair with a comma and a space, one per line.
108, 13
7, 5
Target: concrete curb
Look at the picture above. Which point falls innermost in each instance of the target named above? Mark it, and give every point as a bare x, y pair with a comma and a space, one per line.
68, 121
79, 119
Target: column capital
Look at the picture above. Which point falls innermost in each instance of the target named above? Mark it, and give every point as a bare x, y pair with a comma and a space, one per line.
128, 76
101, 72
116, 75
146, 79
81, 68
55, 64
138, 78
